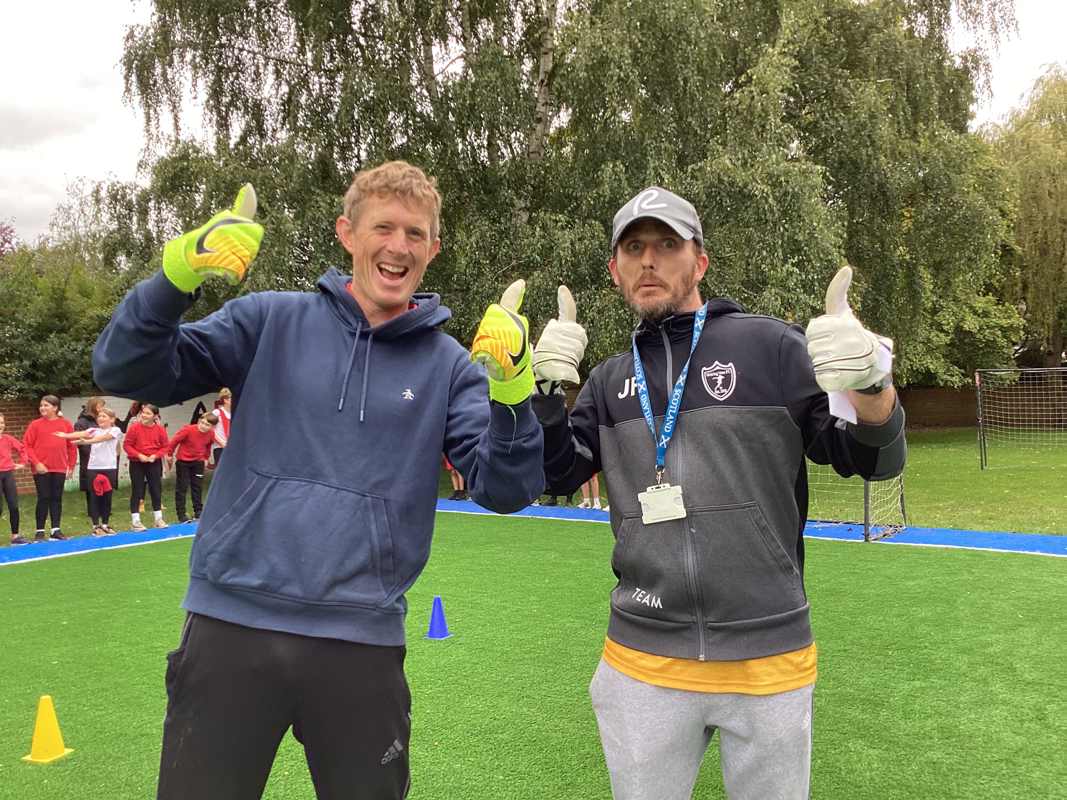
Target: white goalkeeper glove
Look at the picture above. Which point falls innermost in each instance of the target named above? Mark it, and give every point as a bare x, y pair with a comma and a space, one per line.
845, 354
560, 347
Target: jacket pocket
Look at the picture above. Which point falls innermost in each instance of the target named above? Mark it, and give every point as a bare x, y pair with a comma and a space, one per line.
743, 570
305, 540
650, 562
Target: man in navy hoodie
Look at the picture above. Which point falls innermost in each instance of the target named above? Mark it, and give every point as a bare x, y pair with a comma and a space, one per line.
315, 529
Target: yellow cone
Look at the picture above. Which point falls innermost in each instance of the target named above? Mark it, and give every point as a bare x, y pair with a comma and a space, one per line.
47, 740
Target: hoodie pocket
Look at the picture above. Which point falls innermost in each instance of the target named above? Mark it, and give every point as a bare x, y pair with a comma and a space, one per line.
305, 540
743, 569
650, 562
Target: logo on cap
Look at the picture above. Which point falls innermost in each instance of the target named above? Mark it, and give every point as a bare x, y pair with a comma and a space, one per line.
643, 201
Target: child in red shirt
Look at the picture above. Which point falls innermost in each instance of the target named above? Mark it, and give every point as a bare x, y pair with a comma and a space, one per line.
52, 458
146, 445
8, 445
195, 442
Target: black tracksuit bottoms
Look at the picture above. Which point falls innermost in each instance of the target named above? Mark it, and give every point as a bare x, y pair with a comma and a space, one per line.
11, 495
49, 487
188, 475
234, 691
142, 472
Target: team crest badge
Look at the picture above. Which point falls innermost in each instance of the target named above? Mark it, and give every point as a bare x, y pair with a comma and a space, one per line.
719, 380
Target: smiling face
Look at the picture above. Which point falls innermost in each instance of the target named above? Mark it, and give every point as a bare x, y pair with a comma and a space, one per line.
105, 420
48, 411
148, 417
657, 270
390, 245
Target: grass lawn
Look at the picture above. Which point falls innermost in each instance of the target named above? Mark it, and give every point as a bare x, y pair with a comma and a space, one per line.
941, 671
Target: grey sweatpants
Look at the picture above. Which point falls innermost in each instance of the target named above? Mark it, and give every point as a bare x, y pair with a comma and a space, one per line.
655, 738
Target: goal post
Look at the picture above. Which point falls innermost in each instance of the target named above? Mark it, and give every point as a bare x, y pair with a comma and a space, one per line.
1022, 417
876, 506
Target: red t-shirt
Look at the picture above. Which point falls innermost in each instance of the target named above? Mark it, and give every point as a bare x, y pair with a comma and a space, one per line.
145, 441
196, 446
9, 444
58, 455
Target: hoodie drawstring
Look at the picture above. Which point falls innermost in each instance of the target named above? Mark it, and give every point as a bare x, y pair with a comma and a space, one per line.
366, 374
348, 372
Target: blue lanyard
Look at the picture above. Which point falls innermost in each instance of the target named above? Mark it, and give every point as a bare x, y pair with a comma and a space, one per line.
664, 438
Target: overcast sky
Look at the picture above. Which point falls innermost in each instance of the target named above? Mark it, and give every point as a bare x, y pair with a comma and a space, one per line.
62, 115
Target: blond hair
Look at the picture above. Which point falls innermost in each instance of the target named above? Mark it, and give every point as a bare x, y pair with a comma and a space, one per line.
398, 179
224, 393
102, 409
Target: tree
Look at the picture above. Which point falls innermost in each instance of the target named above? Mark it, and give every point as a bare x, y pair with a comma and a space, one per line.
9, 239
806, 131
57, 298
1033, 145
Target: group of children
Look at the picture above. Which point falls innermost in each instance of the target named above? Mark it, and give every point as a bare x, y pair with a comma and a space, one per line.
49, 448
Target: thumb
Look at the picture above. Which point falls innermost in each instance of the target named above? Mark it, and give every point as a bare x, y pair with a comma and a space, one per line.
568, 311
245, 206
512, 297
837, 292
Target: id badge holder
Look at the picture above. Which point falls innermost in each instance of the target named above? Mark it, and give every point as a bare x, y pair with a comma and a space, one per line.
661, 503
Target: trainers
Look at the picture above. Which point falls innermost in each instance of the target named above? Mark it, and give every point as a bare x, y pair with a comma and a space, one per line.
182, 519
108, 530
606, 508
40, 537
138, 526
549, 502
59, 536
18, 540
159, 523
536, 502
583, 504
98, 530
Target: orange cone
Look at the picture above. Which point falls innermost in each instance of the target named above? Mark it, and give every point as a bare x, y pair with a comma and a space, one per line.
47, 740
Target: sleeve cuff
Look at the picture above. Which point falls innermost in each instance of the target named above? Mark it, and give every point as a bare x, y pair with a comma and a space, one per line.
166, 301
551, 409
880, 435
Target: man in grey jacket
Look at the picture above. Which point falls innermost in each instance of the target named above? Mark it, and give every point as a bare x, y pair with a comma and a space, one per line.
702, 430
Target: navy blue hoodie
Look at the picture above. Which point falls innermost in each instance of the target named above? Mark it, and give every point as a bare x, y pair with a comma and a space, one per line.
320, 515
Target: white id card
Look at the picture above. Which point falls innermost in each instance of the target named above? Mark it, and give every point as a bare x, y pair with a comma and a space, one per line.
661, 503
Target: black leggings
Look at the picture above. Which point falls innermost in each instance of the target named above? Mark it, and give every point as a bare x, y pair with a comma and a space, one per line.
49, 497
100, 505
142, 472
11, 495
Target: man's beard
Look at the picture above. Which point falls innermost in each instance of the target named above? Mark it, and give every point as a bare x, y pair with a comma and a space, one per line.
658, 310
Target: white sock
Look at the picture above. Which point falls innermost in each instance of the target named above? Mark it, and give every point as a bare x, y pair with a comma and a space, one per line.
136, 518
54, 530
158, 515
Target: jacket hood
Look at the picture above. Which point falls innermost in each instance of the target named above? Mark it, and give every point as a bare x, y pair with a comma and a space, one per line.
428, 313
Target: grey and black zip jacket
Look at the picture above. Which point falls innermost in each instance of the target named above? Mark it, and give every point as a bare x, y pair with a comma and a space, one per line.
726, 582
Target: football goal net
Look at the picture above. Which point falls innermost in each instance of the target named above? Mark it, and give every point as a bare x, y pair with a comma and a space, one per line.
876, 507
1022, 417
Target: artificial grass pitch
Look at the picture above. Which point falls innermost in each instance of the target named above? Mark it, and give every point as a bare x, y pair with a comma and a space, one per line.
940, 671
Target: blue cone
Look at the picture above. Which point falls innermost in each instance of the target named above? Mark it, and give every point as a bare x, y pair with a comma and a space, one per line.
438, 626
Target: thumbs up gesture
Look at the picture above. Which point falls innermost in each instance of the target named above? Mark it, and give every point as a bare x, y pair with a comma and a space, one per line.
224, 246
845, 354
560, 348
502, 345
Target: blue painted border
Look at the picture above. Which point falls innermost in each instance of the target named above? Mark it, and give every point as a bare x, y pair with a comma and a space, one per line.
38, 551
1031, 543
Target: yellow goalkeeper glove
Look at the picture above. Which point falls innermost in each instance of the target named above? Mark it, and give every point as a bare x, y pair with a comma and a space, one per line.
502, 345
225, 246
